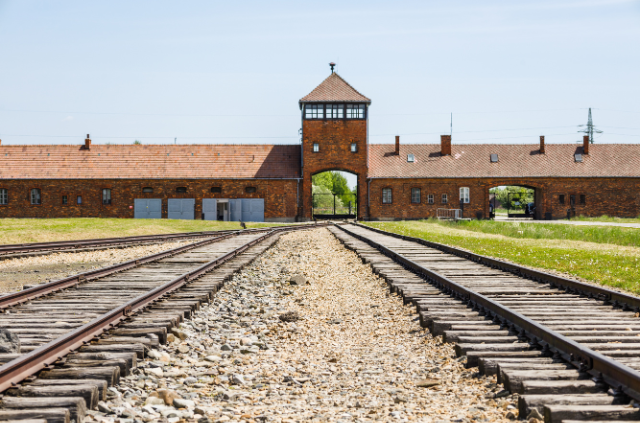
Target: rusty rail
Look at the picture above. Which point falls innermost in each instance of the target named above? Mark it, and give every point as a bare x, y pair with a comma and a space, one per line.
617, 375
24, 366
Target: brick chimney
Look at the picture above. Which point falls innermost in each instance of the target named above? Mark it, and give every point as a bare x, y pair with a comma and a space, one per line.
87, 142
542, 151
445, 145
585, 144
397, 145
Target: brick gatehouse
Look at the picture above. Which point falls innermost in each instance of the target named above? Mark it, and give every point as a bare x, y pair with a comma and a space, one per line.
273, 182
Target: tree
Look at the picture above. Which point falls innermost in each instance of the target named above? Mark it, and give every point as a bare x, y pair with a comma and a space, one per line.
513, 197
323, 200
137, 142
336, 184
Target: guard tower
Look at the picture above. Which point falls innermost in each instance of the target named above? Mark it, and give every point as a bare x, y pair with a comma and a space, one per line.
334, 137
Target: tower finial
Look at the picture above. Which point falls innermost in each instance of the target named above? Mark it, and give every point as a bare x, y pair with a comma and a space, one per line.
332, 65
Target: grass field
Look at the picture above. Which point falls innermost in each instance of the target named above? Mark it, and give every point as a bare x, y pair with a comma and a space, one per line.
615, 262
606, 218
18, 231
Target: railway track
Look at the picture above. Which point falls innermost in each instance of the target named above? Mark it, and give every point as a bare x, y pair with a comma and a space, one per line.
571, 351
10, 251
79, 335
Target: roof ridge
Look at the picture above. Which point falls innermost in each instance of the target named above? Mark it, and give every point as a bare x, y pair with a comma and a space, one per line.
335, 88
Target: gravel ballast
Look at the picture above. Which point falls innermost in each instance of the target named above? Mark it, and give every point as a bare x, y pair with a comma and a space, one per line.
305, 333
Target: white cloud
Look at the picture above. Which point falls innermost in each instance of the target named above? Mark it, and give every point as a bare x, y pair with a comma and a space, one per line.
68, 119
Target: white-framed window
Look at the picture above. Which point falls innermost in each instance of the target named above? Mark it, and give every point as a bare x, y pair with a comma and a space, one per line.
386, 196
314, 111
355, 111
464, 195
4, 197
354, 147
36, 197
316, 147
415, 195
445, 199
411, 158
430, 198
106, 196
335, 111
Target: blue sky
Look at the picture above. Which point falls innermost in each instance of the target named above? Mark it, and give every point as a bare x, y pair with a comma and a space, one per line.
232, 72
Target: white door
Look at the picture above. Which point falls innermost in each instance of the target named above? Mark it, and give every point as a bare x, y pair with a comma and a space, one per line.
209, 209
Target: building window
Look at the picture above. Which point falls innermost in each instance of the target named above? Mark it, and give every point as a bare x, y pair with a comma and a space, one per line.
411, 158
464, 195
355, 111
583, 199
386, 196
79, 199
335, 111
354, 147
445, 199
147, 190
181, 190
415, 195
250, 190
572, 200
65, 200
216, 190
4, 197
106, 196
431, 198
314, 111
316, 147
561, 199
36, 198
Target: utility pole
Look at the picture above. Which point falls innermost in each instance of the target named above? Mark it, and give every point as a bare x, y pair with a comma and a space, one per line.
451, 127
175, 140
589, 128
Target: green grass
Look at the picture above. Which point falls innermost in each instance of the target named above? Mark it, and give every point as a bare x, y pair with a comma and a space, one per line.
606, 218
599, 234
18, 231
606, 264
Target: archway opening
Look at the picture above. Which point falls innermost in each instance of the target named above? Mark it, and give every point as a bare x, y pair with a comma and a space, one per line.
512, 202
334, 195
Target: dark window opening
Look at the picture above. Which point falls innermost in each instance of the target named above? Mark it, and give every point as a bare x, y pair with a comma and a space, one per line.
36, 197
216, 190
386, 196
65, 200
79, 199
4, 197
583, 199
415, 195
106, 196
250, 190
561, 199
572, 199
181, 190
147, 190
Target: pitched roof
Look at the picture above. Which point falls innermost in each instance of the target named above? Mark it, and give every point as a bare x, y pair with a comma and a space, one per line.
149, 161
473, 161
334, 88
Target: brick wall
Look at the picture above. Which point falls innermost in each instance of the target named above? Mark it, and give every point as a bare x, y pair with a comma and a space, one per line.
334, 138
611, 196
280, 196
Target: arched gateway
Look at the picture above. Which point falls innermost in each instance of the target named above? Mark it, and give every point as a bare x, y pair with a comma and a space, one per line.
334, 137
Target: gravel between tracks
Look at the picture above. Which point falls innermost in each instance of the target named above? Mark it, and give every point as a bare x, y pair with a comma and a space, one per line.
355, 353
18, 272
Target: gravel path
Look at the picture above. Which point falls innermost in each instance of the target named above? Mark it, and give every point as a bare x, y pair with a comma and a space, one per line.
348, 351
19, 272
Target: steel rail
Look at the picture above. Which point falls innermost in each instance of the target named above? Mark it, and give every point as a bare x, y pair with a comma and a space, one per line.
7, 249
620, 377
24, 366
617, 299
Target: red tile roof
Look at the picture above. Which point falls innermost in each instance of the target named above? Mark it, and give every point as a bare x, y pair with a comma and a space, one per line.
473, 161
332, 89
149, 161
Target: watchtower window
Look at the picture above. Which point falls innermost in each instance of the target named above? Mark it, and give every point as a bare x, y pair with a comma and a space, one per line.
355, 111
316, 147
216, 190
354, 147
36, 198
181, 190
314, 111
335, 111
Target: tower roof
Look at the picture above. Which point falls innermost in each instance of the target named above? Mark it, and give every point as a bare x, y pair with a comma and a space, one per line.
334, 89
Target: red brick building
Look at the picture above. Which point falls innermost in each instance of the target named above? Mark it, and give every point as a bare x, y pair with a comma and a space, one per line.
273, 182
